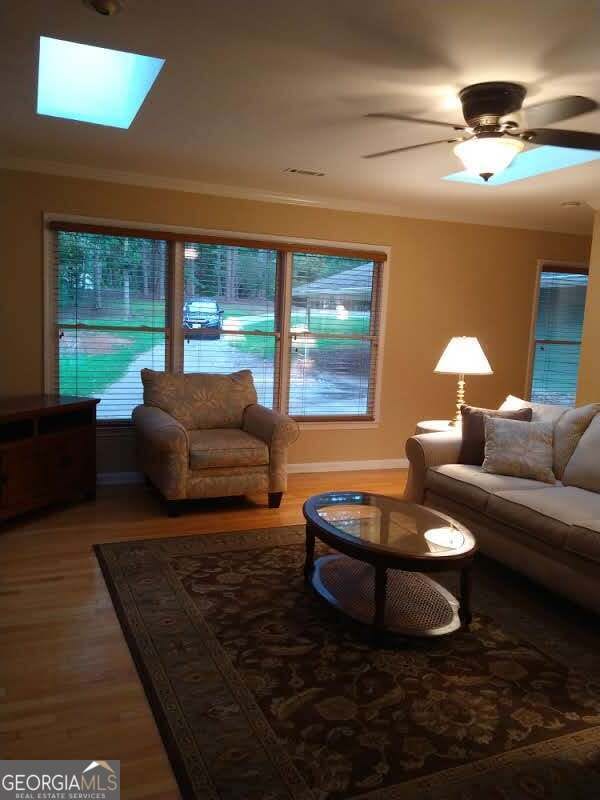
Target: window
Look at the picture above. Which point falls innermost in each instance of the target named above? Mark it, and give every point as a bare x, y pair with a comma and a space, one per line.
229, 314
557, 338
334, 326
110, 317
307, 323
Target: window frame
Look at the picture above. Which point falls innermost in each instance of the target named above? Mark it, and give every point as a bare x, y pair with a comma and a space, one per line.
286, 245
544, 265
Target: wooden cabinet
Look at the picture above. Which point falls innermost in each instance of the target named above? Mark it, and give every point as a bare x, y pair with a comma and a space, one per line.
47, 451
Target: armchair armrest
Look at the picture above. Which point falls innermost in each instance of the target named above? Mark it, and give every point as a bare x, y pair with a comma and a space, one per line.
278, 431
163, 449
429, 450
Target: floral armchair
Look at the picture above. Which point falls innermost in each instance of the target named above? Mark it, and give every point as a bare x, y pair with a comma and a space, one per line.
204, 435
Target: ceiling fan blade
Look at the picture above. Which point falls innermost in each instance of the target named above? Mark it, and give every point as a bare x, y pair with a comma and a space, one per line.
542, 114
409, 147
580, 140
405, 118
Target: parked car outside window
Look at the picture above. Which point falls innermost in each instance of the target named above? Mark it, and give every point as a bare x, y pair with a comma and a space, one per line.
202, 313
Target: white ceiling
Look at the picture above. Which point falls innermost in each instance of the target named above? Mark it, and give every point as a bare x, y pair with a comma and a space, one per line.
251, 88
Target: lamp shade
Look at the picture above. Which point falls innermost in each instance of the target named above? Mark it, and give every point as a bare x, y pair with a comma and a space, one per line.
464, 356
488, 155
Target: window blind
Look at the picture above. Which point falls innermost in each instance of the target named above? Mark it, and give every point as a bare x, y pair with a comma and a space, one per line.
558, 331
334, 325
233, 241
110, 296
306, 323
230, 319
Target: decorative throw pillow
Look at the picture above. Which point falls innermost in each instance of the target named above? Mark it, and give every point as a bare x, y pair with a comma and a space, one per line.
473, 430
568, 430
583, 469
542, 412
519, 449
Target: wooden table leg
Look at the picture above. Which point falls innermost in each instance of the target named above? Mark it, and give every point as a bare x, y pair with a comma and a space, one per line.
380, 587
465, 596
309, 560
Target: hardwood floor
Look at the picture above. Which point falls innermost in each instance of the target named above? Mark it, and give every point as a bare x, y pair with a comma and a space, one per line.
68, 686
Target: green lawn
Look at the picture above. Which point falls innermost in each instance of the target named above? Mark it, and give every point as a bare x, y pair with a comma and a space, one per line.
321, 321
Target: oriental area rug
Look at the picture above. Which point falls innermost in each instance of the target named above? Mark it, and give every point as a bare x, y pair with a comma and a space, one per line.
263, 692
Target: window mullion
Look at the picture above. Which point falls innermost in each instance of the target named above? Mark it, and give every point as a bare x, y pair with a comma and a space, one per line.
175, 308
375, 331
285, 316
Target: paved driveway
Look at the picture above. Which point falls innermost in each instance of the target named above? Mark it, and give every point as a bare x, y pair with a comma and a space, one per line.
321, 392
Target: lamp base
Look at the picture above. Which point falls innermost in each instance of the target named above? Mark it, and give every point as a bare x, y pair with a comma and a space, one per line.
460, 401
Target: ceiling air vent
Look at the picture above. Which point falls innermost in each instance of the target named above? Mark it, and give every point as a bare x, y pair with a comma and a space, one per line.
314, 173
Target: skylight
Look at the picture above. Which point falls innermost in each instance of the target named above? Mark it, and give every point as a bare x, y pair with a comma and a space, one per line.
529, 163
93, 84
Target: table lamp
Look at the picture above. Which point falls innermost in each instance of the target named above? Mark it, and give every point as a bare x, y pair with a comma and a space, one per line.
463, 356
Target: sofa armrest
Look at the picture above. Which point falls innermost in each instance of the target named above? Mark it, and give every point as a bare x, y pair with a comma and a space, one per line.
163, 449
429, 450
278, 431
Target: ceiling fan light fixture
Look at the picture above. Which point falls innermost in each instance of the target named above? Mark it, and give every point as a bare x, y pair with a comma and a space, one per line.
488, 155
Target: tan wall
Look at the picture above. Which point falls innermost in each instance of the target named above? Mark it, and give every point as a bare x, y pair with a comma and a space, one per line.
446, 279
588, 389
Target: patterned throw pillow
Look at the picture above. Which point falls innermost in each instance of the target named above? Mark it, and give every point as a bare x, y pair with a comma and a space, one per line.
473, 430
569, 425
519, 449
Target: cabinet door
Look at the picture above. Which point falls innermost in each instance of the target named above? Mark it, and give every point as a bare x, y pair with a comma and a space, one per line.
20, 478
67, 461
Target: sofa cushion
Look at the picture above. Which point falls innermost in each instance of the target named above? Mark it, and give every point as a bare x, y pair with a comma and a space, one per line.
542, 412
470, 485
472, 449
520, 449
201, 400
583, 469
546, 514
568, 430
584, 539
226, 447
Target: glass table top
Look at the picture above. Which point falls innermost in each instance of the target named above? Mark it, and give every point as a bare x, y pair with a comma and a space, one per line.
389, 524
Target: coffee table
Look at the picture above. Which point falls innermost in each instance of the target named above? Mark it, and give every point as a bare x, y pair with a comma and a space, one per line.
383, 548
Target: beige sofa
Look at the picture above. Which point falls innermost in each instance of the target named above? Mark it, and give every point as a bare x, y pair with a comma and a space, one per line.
551, 533
204, 435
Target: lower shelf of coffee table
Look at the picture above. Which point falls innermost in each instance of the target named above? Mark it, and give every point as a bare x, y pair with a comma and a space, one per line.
415, 605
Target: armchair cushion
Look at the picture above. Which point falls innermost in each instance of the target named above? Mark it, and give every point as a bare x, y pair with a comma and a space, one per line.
226, 447
200, 401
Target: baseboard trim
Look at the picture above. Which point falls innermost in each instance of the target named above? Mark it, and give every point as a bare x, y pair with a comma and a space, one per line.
349, 466
119, 478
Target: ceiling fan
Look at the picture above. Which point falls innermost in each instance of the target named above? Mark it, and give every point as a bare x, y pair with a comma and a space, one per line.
489, 141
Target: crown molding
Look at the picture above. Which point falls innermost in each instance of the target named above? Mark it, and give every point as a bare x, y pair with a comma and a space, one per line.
194, 187
82, 171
